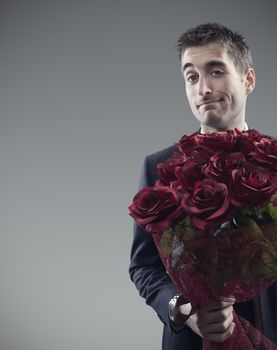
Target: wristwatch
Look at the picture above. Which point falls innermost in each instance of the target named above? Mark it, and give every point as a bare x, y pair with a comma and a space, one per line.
176, 317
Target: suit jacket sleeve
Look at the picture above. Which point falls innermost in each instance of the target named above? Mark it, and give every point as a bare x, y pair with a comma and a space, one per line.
146, 269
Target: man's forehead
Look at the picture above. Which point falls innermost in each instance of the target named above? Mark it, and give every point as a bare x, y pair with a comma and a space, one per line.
202, 55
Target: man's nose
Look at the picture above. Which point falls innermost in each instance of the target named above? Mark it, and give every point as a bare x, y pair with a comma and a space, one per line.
204, 87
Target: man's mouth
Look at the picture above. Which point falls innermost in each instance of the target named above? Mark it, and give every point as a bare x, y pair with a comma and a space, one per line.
204, 103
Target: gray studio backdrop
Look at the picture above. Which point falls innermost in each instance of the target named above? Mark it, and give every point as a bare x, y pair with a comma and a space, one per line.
87, 89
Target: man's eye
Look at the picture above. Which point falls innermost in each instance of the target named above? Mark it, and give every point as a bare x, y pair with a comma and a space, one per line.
217, 73
192, 78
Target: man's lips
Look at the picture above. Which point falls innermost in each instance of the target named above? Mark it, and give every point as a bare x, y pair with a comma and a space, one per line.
208, 102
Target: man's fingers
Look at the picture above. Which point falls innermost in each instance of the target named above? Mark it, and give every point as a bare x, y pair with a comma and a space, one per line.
214, 320
215, 316
185, 309
221, 337
217, 305
216, 327
230, 298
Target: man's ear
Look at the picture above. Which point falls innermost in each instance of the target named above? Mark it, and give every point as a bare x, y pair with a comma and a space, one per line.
250, 80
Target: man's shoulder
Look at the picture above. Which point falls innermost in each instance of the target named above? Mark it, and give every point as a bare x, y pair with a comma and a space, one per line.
162, 155
151, 161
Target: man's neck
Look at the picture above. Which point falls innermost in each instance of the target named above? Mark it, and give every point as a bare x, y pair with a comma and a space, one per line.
205, 130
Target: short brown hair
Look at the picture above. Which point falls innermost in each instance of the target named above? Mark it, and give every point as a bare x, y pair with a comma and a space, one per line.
233, 42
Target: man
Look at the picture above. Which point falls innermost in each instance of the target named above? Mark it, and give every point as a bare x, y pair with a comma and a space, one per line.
217, 68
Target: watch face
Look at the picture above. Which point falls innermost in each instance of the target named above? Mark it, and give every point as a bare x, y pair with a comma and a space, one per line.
175, 316
172, 308
173, 302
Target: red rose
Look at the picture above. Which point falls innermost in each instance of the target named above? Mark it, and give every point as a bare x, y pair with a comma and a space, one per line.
188, 174
252, 185
251, 142
248, 140
192, 150
222, 164
251, 134
187, 143
207, 205
225, 141
165, 170
266, 152
201, 147
156, 208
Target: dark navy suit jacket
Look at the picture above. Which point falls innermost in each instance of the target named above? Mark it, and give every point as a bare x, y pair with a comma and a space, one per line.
154, 285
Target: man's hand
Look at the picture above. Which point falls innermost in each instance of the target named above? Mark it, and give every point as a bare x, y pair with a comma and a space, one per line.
212, 321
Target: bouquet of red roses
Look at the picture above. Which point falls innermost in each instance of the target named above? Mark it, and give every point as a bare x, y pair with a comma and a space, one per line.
213, 216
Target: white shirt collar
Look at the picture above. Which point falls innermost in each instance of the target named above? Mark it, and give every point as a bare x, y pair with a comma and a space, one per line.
245, 128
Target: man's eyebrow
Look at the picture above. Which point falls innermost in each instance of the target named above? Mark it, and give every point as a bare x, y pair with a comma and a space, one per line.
187, 65
210, 64
216, 63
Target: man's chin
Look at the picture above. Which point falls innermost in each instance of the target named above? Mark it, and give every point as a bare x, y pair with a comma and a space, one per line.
212, 123
212, 119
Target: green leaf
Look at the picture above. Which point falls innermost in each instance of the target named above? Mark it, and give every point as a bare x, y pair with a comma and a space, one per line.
244, 273
272, 211
166, 242
249, 223
251, 227
189, 233
184, 230
268, 264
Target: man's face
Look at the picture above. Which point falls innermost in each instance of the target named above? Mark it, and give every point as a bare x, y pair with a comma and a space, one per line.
216, 89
